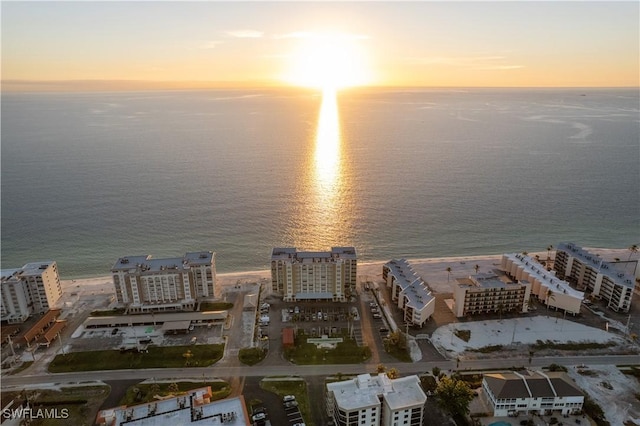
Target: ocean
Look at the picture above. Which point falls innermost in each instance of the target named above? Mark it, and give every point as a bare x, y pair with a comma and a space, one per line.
90, 177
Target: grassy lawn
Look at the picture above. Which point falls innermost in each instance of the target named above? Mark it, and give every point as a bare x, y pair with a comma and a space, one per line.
251, 356
215, 306
78, 404
463, 334
145, 392
296, 387
158, 357
347, 352
23, 367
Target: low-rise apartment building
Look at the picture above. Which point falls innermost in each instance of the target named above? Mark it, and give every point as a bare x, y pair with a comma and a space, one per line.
32, 289
195, 407
146, 284
376, 401
545, 285
409, 291
307, 275
487, 293
602, 279
513, 393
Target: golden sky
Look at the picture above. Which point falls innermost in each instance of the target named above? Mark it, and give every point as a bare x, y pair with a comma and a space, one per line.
209, 44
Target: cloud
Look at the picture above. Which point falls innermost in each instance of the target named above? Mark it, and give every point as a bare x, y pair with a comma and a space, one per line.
245, 34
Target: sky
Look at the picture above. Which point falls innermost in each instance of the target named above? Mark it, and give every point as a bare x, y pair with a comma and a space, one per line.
422, 43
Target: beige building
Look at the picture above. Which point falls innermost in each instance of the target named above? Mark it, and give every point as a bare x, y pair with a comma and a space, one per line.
549, 289
376, 401
487, 293
146, 284
602, 279
409, 292
32, 289
300, 275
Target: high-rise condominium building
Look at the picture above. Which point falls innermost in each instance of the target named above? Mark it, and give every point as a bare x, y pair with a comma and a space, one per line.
32, 289
304, 275
146, 284
376, 401
488, 293
602, 279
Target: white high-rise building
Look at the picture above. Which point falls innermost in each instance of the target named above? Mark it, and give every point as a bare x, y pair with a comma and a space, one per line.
301, 275
590, 272
376, 401
146, 284
32, 289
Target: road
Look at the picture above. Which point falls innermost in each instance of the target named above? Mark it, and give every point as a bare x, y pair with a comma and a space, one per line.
20, 381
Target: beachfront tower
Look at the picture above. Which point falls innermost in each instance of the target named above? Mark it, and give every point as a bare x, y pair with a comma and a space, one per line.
307, 275
146, 284
32, 289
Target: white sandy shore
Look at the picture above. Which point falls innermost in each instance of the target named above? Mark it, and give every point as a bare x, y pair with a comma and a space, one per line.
432, 270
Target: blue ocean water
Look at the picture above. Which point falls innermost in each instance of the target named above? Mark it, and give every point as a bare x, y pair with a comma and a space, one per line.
90, 177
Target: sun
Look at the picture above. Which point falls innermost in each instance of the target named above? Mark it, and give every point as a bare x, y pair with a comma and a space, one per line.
329, 62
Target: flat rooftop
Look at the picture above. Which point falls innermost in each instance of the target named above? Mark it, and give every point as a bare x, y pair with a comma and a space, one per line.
146, 263
291, 253
194, 407
364, 391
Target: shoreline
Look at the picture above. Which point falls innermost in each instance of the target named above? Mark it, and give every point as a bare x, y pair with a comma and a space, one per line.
432, 270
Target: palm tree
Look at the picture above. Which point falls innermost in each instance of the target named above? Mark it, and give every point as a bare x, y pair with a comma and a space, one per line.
476, 268
549, 248
551, 296
448, 273
632, 249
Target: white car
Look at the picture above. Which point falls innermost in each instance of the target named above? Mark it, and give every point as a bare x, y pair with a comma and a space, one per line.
288, 398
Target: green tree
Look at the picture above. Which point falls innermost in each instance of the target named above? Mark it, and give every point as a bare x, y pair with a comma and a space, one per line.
454, 396
448, 273
381, 368
435, 371
173, 387
393, 373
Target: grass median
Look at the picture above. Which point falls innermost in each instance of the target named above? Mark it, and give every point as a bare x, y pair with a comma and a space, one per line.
346, 352
156, 357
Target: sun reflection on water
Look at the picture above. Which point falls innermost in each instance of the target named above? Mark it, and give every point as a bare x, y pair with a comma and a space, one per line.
324, 221
327, 153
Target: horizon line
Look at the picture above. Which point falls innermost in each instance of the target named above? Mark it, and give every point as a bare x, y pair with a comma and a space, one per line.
111, 85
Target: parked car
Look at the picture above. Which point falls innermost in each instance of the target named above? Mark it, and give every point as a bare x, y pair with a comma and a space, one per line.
291, 404
114, 331
288, 398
